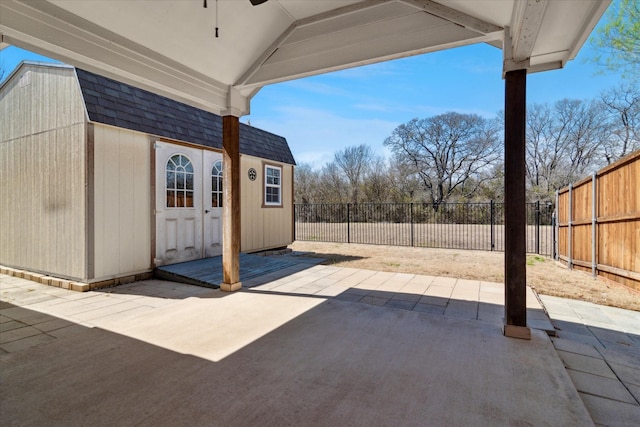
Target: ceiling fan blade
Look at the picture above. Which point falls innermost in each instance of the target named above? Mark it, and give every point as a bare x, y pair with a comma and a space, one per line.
257, 2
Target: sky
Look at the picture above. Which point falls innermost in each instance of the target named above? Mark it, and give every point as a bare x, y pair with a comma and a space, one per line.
323, 114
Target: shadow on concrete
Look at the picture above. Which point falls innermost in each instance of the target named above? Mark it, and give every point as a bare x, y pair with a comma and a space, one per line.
330, 258
335, 363
463, 309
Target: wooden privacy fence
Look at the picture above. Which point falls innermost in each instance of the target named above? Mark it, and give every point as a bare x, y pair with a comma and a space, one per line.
599, 222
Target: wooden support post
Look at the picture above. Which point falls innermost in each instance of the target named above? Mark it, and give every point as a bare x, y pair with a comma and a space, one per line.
515, 206
231, 204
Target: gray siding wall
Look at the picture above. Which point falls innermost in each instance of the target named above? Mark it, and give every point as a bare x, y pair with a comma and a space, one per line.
122, 200
42, 173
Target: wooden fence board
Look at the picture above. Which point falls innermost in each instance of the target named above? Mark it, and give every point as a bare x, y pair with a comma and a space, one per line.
582, 204
617, 223
581, 244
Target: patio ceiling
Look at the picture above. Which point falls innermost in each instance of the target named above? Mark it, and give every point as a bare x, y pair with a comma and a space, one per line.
169, 47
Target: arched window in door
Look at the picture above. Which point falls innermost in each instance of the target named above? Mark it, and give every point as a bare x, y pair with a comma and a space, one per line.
179, 174
216, 185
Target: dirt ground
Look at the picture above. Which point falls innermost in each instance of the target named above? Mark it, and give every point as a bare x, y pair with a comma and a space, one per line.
543, 274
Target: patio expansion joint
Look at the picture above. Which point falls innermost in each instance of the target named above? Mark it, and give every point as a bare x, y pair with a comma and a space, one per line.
620, 380
30, 338
599, 387
603, 358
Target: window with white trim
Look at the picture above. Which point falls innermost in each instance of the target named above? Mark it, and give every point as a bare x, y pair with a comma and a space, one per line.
179, 174
216, 185
272, 185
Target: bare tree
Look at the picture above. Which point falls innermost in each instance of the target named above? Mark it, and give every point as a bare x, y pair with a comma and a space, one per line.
563, 144
306, 182
354, 163
493, 184
581, 128
543, 151
405, 182
457, 156
332, 187
623, 107
448, 152
377, 186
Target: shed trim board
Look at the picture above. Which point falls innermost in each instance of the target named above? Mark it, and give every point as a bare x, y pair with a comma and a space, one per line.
152, 200
90, 207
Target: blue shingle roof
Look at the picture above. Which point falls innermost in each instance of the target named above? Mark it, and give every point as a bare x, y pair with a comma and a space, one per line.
118, 104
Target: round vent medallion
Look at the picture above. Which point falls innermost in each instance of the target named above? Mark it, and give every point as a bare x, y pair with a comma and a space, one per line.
252, 174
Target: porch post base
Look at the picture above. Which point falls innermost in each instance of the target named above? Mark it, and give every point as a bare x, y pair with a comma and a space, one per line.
230, 287
513, 331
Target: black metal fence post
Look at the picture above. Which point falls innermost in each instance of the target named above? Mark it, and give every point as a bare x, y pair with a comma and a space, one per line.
538, 227
553, 235
411, 219
492, 221
348, 222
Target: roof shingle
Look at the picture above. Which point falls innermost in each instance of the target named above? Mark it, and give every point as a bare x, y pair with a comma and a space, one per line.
118, 104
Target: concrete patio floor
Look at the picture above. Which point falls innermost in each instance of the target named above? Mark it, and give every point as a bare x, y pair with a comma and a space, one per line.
317, 345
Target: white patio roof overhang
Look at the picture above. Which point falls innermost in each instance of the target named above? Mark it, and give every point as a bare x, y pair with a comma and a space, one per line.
170, 48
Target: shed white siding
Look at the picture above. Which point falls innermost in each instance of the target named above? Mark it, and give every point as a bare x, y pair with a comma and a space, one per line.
122, 202
264, 227
42, 173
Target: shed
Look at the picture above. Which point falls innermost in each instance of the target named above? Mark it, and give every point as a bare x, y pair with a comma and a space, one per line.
101, 180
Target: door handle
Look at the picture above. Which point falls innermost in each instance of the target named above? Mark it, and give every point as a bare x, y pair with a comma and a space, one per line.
206, 211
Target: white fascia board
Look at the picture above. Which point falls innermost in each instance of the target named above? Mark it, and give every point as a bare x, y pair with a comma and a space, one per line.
597, 11
257, 83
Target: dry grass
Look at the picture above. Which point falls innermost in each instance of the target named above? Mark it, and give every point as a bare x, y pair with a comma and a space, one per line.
543, 274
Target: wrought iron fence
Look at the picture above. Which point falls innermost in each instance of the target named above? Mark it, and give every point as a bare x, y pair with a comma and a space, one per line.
477, 226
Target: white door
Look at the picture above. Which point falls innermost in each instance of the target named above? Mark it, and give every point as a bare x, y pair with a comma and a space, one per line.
188, 203
212, 216
178, 203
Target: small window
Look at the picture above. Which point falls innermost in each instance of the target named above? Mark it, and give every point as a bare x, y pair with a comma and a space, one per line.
216, 185
272, 185
179, 174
